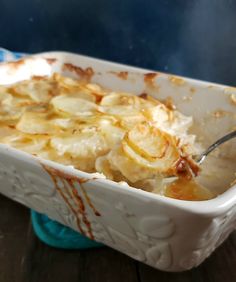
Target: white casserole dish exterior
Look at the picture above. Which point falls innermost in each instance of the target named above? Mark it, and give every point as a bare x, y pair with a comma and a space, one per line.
168, 234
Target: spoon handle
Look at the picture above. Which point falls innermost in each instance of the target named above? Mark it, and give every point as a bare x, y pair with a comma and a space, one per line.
215, 145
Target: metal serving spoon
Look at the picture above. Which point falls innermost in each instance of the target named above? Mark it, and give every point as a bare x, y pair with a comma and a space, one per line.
200, 159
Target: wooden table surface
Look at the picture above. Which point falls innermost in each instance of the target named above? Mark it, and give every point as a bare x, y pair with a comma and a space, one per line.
23, 258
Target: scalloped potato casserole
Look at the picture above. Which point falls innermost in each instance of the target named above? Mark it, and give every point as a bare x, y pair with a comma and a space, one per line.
130, 139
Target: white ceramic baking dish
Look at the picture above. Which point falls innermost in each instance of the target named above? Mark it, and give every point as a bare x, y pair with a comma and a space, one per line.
168, 234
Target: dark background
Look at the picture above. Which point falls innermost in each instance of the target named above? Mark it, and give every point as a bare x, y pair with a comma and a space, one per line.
192, 38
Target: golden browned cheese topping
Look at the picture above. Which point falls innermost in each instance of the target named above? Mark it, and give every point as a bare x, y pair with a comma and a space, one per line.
136, 139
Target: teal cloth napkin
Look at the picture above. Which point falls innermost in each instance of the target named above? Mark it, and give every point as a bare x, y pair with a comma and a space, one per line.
57, 235
51, 232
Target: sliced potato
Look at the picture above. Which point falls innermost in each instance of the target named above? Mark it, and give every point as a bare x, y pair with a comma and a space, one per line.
26, 142
13, 107
73, 106
64, 123
117, 99
35, 123
4, 96
74, 88
128, 122
119, 111
124, 104
78, 93
151, 148
159, 114
112, 133
66, 81
85, 144
6, 131
9, 106
41, 90
149, 100
120, 162
3, 90
102, 165
149, 141
85, 164
126, 99
164, 166
95, 88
